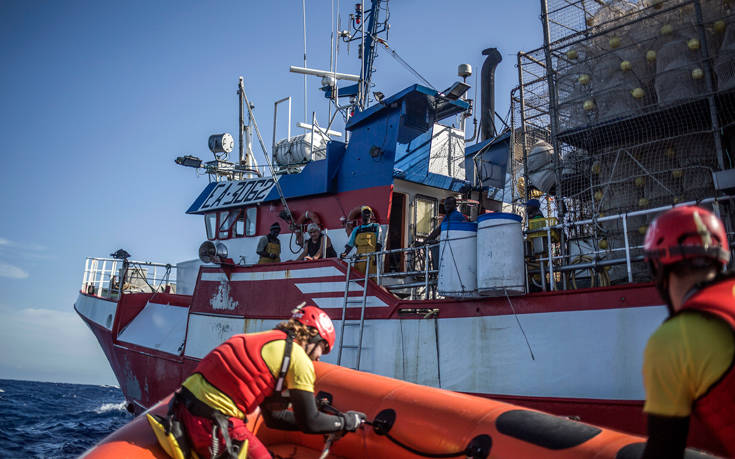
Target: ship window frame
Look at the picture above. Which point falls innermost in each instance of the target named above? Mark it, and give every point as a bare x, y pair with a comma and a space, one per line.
238, 230
435, 202
210, 224
244, 223
226, 220
251, 220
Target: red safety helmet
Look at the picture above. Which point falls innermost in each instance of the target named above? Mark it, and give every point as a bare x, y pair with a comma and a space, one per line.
311, 316
686, 232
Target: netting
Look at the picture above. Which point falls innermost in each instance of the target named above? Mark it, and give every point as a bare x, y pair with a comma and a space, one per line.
643, 91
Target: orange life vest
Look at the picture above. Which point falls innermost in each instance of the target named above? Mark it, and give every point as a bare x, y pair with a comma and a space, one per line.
716, 408
237, 369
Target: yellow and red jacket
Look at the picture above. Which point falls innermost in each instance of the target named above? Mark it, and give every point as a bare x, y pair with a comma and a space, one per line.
716, 408
237, 369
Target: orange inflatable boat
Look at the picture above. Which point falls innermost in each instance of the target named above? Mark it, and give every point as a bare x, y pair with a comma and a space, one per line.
411, 421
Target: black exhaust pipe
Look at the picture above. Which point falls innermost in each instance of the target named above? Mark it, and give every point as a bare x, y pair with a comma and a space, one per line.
487, 105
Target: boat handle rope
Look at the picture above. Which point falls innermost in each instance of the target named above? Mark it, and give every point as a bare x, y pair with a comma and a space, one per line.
478, 448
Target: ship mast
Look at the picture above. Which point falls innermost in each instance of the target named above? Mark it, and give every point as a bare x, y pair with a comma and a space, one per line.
247, 159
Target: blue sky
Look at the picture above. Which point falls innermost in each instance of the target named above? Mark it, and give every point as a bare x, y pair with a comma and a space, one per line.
97, 98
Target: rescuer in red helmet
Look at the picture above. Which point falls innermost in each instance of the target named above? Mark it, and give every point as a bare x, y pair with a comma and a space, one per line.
208, 413
688, 362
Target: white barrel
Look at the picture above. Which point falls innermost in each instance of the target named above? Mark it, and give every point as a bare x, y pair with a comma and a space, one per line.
500, 267
457, 259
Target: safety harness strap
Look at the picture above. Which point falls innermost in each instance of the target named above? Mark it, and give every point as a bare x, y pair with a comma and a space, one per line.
285, 362
219, 420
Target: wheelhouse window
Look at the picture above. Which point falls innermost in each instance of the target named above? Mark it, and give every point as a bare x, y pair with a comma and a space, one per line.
240, 224
233, 223
245, 222
425, 208
227, 221
251, 214
210, 224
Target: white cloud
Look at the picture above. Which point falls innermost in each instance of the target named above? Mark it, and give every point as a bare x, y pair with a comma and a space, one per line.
50, 345
25, 250
13, 272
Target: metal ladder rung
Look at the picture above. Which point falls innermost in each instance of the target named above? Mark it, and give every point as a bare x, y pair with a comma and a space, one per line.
359, 323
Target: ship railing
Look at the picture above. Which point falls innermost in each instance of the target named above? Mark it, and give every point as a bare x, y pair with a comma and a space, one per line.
102, 277
554, 273
416, 281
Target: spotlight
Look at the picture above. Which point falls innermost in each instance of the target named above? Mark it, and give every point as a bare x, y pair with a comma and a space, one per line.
221, 143
189, 161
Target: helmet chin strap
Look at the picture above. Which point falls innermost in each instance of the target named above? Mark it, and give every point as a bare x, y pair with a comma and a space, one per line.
315, 340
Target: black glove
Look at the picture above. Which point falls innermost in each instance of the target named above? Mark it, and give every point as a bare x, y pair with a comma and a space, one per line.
273, 256
352, 420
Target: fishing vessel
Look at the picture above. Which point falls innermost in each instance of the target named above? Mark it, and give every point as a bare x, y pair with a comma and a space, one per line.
626, 110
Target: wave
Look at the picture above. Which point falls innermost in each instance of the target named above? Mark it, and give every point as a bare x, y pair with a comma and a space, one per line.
107, 407
110, 386
1, 391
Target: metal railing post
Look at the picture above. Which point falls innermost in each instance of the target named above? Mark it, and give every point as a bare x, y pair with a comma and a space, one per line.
627, 248
86, 275
543, 275
102, 278
552, 281
426, 271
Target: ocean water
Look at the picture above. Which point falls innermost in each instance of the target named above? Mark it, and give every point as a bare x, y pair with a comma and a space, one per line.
56, 420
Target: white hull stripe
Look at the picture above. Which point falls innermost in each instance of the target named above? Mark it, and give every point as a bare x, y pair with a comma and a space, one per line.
98, 310
352, 302
328, 287
308, 273
158, 326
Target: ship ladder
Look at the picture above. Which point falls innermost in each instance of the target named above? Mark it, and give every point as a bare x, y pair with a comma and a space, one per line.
353, 323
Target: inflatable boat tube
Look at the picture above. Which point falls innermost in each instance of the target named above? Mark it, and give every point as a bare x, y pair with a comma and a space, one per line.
411, 421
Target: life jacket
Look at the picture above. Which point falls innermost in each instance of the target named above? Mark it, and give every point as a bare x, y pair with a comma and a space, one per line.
234, 367
716, 408
366, 241
237, 369
272, 248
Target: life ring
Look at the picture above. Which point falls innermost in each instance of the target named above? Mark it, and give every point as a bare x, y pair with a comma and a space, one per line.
354, 219
307, 216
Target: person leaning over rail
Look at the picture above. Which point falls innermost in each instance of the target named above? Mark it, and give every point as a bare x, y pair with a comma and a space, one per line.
688, 361
269, 369
269, 247
451, 215
365, 237
317, 246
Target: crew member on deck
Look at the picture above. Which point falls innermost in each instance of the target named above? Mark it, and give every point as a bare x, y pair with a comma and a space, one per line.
365, 238
317, 246
269, 247
247, 371
451, 215
688, 362
537, 244
533, 209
